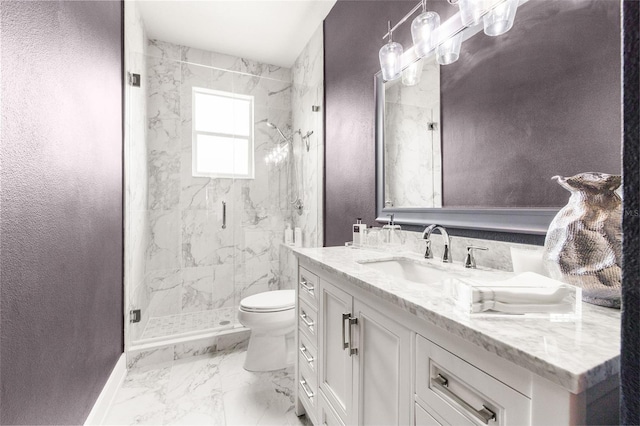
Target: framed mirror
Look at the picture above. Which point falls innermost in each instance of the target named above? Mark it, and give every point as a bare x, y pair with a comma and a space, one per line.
475, 144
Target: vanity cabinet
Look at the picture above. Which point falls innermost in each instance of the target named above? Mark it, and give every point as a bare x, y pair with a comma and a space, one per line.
363, 360
451, 391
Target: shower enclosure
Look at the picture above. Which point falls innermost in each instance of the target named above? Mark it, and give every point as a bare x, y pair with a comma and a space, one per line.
199, 239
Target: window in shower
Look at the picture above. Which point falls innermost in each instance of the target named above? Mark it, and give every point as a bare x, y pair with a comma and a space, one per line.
222, 145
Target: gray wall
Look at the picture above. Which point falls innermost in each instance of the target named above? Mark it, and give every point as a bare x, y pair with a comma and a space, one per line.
630, 359
353, 31
539, 101
352, 39
61, 224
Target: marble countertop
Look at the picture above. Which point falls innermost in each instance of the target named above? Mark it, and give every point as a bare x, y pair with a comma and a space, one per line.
574, 354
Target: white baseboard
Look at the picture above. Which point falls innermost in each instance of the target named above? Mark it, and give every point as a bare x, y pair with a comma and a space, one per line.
103, 403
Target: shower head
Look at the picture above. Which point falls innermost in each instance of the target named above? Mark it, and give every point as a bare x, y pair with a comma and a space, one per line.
273, 126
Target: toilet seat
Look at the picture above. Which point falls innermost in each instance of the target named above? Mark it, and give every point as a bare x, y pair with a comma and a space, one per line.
269, 301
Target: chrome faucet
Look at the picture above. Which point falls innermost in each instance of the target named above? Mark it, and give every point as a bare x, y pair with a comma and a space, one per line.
426, 235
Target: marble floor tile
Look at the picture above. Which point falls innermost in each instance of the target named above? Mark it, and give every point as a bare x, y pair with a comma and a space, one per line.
212, 389
142, 398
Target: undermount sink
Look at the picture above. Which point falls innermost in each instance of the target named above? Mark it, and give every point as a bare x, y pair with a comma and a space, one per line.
410, 270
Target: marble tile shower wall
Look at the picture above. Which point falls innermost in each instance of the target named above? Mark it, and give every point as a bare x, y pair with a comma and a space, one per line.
308, 91
192, 263
136, 218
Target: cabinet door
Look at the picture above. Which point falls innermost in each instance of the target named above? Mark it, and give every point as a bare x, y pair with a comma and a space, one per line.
382, 379
335, 367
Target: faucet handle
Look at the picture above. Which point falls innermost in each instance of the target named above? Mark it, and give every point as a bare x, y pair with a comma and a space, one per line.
428, 253
391, 222
470, 260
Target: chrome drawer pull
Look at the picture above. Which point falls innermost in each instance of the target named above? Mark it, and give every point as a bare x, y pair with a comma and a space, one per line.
305, 354
310, 289
485, 415
352, 322
305, 319
305, 388
345, 344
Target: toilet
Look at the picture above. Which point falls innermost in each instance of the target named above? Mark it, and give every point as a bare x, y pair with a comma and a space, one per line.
270, 316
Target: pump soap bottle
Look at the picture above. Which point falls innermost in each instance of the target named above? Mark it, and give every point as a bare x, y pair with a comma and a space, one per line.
358, 233
288, 235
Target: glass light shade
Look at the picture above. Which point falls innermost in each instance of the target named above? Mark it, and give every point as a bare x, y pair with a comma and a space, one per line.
411, 75
391, 60
422, 29
470, 11
449, 51
500, 20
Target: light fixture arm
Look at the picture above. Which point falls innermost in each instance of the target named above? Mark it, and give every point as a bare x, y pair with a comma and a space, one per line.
422, 4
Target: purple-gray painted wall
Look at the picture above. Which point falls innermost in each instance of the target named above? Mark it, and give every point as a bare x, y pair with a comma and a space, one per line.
353, 31
352, 39
61, 263
533, 102
630, 357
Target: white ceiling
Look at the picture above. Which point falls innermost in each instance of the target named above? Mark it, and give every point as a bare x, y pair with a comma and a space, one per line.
269, 31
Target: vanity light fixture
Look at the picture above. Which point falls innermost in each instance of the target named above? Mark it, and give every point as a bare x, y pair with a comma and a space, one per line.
422, 31
411, 74
449, 50
500, 19
470, 11
391, 57
445, 38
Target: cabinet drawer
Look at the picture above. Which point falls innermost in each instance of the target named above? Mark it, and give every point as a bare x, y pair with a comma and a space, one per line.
307, 353
308, 391
423, 418
308, 287
327, 414
308, 321
461, 393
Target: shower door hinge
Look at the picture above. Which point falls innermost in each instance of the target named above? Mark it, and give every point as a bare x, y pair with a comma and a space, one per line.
134, 79
135, 315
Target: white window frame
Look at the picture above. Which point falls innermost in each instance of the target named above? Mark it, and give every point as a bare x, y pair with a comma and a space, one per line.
195, 133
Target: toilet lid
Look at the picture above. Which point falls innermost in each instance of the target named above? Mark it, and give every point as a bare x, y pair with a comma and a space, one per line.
269, 301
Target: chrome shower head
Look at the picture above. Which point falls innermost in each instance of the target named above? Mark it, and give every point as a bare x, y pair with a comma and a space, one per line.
273, 126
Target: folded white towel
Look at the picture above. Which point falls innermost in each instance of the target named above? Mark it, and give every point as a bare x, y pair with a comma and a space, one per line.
524, 293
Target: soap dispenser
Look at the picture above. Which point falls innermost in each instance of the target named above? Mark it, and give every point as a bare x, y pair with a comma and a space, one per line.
288, 235
358, 233
392, 233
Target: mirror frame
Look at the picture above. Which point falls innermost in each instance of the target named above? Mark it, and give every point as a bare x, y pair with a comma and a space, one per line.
513, 220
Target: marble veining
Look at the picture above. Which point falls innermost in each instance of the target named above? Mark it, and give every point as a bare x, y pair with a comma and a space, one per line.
307, 91
209, 389
574, 354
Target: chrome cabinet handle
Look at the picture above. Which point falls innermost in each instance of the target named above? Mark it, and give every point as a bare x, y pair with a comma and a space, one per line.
305, 319
305, 353
224, 215
303, 282
352, 322
485, 415
345, 344
306, 389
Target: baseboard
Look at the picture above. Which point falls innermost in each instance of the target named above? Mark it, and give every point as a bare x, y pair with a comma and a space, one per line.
103, 403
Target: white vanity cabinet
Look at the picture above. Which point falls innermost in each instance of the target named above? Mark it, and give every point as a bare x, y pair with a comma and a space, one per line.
363, 360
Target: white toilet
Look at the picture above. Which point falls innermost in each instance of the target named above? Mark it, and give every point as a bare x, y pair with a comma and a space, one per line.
270, 316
